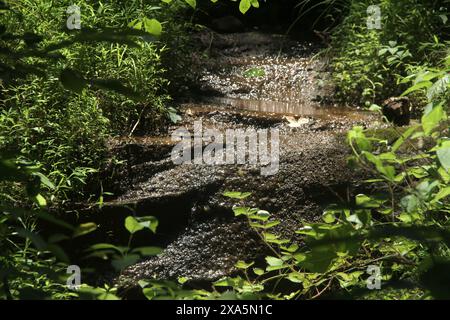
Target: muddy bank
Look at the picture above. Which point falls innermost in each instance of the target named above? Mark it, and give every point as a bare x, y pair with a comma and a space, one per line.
286, 90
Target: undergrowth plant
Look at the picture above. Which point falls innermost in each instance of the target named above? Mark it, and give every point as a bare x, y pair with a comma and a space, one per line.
366, 61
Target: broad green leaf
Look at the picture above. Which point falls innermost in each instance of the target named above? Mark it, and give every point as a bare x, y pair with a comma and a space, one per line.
135, 224
438, 88
148, 222
365, 201
136, 24
418, 86
329, 216
192, 3
258, 271
244, 6
238, 211
132, 225
153, 26
296, 277
274, 262
255, 3
318, 260
432, 117
386, 170
443, 154
44, 180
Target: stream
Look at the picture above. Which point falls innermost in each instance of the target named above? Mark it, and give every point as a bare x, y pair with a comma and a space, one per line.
201, 237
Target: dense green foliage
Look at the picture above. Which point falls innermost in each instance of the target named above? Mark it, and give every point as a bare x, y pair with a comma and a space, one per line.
368, 62
65, 131
64, 92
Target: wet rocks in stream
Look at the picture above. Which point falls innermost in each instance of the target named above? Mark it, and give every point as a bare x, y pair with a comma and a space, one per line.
312, 165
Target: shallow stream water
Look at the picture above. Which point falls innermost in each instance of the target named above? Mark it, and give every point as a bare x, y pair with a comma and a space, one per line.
202, 239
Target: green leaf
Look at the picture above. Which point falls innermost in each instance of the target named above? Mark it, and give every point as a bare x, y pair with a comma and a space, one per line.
417, 87
431, 118
44, 180
148, 222
255, 3
132, 225
153, 26
438, 88
443, 154
238, 211
84, 228
136, 24
296, 277
135, 224
236, 195
364, 201
274, 262
387, 171
182, 280
356, 135
243, 265
254, 73
40, 200
319, 260
443, 193
329, 216
244, 6
192, 3
258, 271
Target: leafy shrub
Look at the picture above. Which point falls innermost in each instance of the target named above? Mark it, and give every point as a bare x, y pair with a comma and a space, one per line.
366, 62
65, 132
